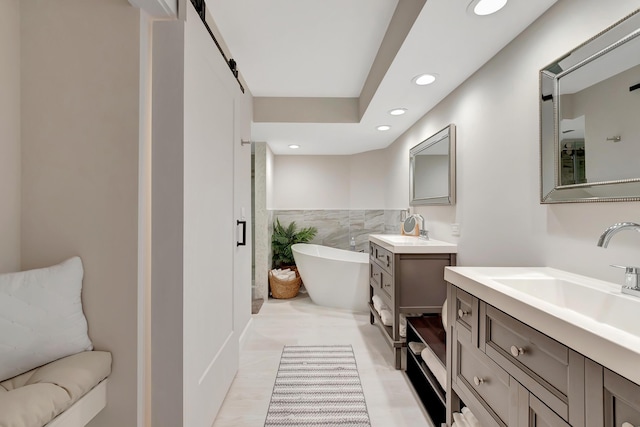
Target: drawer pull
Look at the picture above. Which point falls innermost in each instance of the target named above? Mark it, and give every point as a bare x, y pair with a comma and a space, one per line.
478, 381
462, 313
516, 351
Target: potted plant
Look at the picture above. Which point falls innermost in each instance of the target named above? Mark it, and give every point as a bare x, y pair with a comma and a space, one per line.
284, 237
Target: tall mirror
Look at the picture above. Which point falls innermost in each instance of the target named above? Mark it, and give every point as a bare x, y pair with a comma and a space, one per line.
590, 119
433, 169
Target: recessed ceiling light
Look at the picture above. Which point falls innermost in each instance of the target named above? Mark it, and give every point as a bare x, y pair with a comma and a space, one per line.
294, 146
383, 127
398, 111
486, 7
424, 79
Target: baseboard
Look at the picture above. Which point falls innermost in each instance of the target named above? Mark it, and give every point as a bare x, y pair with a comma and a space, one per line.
245, 333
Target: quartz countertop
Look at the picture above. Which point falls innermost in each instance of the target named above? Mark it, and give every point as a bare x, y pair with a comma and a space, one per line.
588, 315
401, 244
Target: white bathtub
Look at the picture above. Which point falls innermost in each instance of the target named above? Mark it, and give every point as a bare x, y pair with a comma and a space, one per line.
334, 277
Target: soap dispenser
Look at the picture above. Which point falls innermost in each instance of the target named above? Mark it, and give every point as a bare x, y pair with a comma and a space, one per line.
352, 244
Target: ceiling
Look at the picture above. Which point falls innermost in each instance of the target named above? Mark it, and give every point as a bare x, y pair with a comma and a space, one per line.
315, 55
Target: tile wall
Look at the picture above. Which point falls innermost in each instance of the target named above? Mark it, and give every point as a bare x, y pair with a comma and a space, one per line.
336, 227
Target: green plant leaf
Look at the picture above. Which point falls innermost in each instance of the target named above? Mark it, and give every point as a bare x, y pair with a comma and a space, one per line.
284, 237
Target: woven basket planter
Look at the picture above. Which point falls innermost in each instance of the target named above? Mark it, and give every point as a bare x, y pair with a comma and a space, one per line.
283, 289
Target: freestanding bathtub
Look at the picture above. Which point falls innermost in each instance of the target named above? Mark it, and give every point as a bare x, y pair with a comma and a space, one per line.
334, 277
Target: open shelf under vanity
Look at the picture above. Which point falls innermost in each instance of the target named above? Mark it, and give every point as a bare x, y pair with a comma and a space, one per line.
428, 375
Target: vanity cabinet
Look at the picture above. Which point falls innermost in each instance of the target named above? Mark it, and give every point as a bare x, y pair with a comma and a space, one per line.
408, 283
510, 374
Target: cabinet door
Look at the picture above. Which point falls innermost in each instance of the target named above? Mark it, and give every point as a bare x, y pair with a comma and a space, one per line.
611, 400
621, 401
539, 415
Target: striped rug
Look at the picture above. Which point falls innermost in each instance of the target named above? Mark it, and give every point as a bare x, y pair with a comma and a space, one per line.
317, 386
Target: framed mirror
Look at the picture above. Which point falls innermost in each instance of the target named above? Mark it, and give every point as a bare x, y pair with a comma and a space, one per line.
589, 119
433, 169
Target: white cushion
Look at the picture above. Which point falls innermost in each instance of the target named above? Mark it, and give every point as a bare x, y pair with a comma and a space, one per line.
41, 318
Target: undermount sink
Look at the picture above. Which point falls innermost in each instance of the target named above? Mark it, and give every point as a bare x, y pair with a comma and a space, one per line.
605, 304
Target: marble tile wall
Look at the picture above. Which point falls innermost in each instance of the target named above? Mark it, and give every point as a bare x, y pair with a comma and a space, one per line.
336, 227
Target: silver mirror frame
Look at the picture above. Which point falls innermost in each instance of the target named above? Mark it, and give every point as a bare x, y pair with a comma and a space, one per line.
450, 198
550, 189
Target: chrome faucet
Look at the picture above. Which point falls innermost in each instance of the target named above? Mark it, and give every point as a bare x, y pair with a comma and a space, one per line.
632, 274
424, 233
603, 241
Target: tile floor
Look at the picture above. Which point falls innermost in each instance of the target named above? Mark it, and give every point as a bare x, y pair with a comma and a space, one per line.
390, 399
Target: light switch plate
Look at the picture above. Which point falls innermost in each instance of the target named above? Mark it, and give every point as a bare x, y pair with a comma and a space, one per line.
455, 229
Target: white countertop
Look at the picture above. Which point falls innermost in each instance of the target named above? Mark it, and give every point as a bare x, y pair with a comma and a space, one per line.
588, 315
400, 244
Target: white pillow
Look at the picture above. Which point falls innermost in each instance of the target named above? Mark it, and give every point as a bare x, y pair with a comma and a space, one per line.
41, 318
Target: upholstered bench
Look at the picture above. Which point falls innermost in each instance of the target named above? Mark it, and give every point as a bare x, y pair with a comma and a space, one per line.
48, 374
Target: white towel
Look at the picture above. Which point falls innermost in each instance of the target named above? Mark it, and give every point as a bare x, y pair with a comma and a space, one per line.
471, 419
377, 303
459, 420
402, 330
416, 347
444, 314
435, 366
285, 275
403, 320
386, 317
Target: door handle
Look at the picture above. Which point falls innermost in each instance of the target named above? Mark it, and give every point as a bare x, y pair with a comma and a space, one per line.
244, 233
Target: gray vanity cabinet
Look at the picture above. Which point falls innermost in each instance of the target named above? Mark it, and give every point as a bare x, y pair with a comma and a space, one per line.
510, 374
507, 373
407, 283
611, 400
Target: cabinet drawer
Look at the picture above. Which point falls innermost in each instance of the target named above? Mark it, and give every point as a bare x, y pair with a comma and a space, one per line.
464, 307
482, 378
540, 363
383, 258
375, 276
381, 280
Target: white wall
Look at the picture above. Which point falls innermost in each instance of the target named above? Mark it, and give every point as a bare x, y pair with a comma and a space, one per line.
497, 118
80, 110
367, 180
329, 182
10, 135
311, 182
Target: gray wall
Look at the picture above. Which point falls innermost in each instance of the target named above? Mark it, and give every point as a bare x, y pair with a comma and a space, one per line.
80, 110
10, 135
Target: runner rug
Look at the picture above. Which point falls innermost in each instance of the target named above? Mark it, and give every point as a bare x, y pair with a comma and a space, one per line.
317, 386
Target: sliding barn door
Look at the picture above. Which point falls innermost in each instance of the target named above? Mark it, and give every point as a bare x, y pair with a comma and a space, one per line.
210, 341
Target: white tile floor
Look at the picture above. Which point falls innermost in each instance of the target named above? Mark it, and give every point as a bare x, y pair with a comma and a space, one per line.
390, 398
